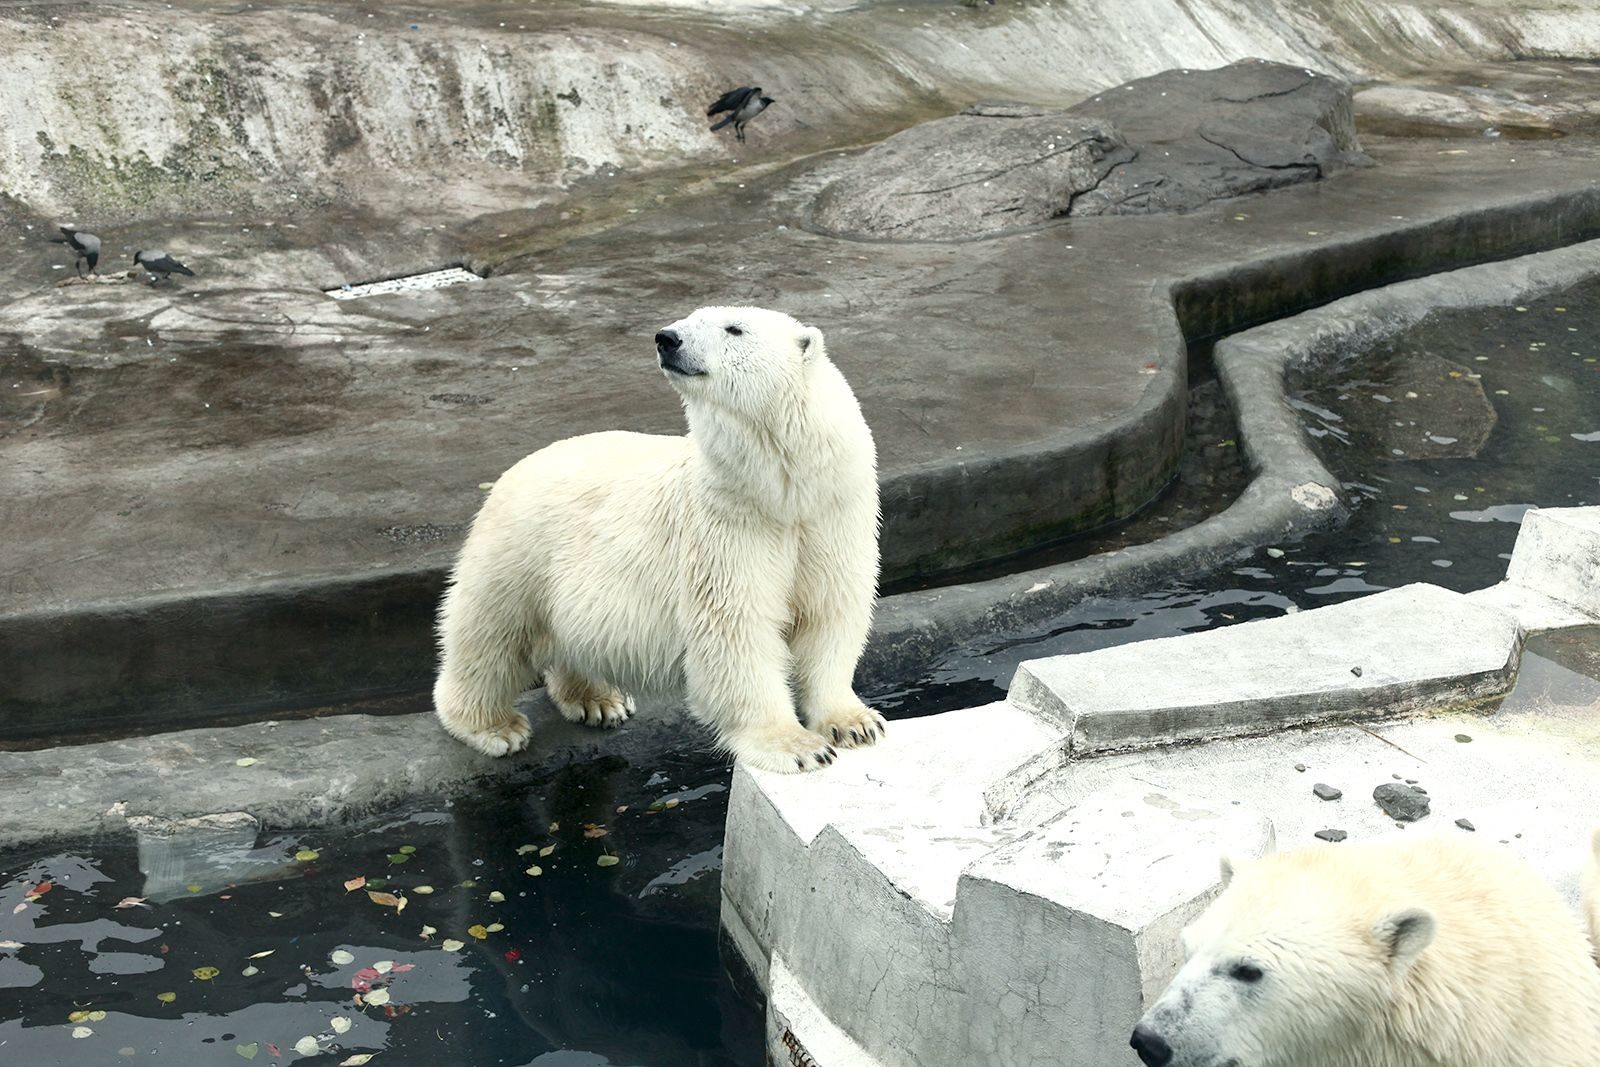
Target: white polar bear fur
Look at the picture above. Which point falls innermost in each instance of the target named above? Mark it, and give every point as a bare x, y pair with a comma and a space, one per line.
730, 562
1432, 952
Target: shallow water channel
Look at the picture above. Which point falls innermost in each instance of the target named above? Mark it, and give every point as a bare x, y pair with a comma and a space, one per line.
574, 923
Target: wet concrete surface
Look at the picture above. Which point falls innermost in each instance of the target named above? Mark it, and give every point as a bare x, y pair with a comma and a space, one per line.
239, 435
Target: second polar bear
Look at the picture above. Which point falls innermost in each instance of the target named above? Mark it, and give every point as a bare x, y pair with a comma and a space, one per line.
1439, 952
727, 563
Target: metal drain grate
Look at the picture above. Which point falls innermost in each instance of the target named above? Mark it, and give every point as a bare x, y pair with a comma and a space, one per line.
411, 283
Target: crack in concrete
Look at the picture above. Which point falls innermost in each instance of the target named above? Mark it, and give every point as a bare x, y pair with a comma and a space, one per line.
1252, 163
1073, 199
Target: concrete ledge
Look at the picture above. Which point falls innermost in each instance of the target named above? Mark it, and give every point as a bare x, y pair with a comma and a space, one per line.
1558, 555
962, 893
1369, 658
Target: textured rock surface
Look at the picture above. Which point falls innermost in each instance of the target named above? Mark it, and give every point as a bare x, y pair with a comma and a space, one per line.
991, 168
1170, 142
1203, 135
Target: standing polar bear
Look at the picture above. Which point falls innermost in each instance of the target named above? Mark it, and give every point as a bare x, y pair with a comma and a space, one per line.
1438, 952
728, 562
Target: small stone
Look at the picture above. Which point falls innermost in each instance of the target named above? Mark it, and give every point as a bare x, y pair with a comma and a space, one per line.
1301, 767
1463, 739
1411, 781
1466, 824
1421, 790
1401, 802
1327, 792
1396, 777
1356, 671
1330, 835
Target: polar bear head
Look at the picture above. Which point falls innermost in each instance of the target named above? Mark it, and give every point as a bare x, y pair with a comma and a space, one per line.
745, 359
1290, 961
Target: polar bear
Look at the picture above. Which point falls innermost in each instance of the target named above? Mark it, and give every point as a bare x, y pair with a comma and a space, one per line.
730, 562
1439, 952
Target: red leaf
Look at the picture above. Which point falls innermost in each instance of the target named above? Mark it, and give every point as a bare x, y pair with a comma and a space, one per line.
513, 955
273, 1049
402, 968
39, 890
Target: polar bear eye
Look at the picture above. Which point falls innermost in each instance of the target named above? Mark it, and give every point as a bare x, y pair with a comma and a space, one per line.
1245, 972
734, 330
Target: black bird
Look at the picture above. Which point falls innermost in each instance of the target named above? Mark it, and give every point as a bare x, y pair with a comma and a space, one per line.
161, 264
742, 105
85, 246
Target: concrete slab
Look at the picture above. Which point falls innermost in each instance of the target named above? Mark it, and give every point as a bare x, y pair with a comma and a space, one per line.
1029, 919
1558, 555
1368, 658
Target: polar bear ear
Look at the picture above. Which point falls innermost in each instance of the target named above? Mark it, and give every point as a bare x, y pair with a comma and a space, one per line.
810, 343
1405, 933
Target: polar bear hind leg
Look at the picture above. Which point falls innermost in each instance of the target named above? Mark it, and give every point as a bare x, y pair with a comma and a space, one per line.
482, 670
590, 703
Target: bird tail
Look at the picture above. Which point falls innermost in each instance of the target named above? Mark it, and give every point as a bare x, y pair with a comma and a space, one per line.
179, 268
721, 124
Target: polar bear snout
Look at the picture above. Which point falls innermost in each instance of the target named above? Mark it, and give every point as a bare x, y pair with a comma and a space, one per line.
671, 356
1152, 1048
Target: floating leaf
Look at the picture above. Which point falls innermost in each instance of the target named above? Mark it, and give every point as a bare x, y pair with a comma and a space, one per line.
406, 849
495, 928
424, 890
251, 971
399, 857
398, 908
166, 998
543, 852
247, 761
205, 974
622, 808
11, 944
427, 932
450, 944
378, 997
81, 1032
194, 888
248, 1051
497, 897
39, 890
263, 955
357, 1060
481, 485
534, 871
132, 902
307, 1046
276, 914
306, 855
674, 802
523, 850
341, 1024
19, 907
388, 900
595, 831
341, 957
469, 883
607, 861
355, 883
478, 931
383, 966
86, 1016
512, 955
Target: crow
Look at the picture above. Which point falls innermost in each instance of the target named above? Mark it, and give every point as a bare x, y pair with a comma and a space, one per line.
160, 265
742, 105
85, 246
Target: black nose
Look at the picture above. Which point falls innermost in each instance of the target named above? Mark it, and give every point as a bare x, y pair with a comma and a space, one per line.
668, 341
1152, 1048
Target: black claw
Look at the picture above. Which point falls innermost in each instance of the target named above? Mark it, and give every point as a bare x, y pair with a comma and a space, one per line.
821, 759
799, 763
836, 733
855, 738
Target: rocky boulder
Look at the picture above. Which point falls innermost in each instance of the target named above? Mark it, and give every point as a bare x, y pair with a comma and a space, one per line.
1171, 142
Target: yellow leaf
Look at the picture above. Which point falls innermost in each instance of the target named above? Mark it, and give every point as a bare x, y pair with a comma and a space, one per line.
248, 761
495, 928
263, 955
607, 861
450, 944
205, 974
497, 897
523, 850
166, 998
535, 871
378, 997
543, 852
424, 890
428, 931
478, 931
358, 1060
306, 855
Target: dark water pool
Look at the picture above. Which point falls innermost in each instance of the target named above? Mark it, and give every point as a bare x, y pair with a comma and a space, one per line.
1444, 438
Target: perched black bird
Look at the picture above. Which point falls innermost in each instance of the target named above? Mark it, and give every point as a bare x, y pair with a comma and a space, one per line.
742, 105
161, 264
85, 246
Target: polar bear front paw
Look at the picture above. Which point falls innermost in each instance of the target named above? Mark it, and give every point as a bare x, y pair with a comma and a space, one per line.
507, 734
589, 703
851, 726
783, 749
